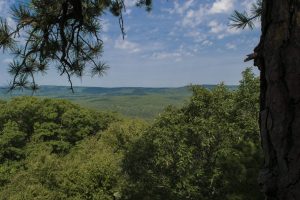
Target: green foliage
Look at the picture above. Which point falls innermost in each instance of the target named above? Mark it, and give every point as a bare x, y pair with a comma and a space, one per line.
178, 155
207, 149
11, 143
57, 123
242, 167
121, 136
91, 169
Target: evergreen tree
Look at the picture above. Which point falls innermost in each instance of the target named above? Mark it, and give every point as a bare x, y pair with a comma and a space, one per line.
277, 57
61, 33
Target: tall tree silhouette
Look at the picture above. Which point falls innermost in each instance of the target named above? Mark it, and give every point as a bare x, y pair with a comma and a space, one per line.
278, 57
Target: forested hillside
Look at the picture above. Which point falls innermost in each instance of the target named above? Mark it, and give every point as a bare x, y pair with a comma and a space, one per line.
207, 149
136, 102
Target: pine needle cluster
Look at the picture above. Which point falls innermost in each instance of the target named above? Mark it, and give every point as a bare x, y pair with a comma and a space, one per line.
241, 20
65, 34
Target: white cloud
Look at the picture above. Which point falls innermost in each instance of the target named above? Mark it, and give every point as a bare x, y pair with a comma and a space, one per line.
247, 4
180, 9
105, 25
222, 6
131, 47
105, 38
197, 35
128, 11
172, 33
177, 55
216, 27
193, 18
230, 46
166, 55
207, 43
153, 46
130, 3
11, 23
221, 30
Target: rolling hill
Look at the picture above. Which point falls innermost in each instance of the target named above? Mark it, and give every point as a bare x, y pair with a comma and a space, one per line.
130, 101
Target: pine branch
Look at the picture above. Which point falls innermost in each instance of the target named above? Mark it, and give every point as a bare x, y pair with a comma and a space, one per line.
241, 20
64, 34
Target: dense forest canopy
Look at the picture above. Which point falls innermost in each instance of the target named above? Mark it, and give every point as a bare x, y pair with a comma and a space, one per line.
207, 149
68, 37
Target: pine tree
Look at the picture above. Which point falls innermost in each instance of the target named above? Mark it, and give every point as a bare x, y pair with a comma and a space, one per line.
277, 57
65, 34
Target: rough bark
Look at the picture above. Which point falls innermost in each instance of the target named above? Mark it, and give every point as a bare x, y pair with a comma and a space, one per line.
279, 61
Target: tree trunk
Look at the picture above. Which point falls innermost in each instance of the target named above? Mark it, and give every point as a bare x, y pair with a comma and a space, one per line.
279, 61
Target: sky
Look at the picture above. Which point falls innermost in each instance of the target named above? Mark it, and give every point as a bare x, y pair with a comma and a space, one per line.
180, 42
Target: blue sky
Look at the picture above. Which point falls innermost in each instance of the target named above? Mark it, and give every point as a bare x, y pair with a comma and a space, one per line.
180, 42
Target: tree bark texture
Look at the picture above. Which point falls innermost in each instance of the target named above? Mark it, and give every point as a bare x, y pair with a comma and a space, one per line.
279, 61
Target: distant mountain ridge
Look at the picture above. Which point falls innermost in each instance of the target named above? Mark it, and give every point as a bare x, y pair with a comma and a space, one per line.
65, 90
115, 91
142, 102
